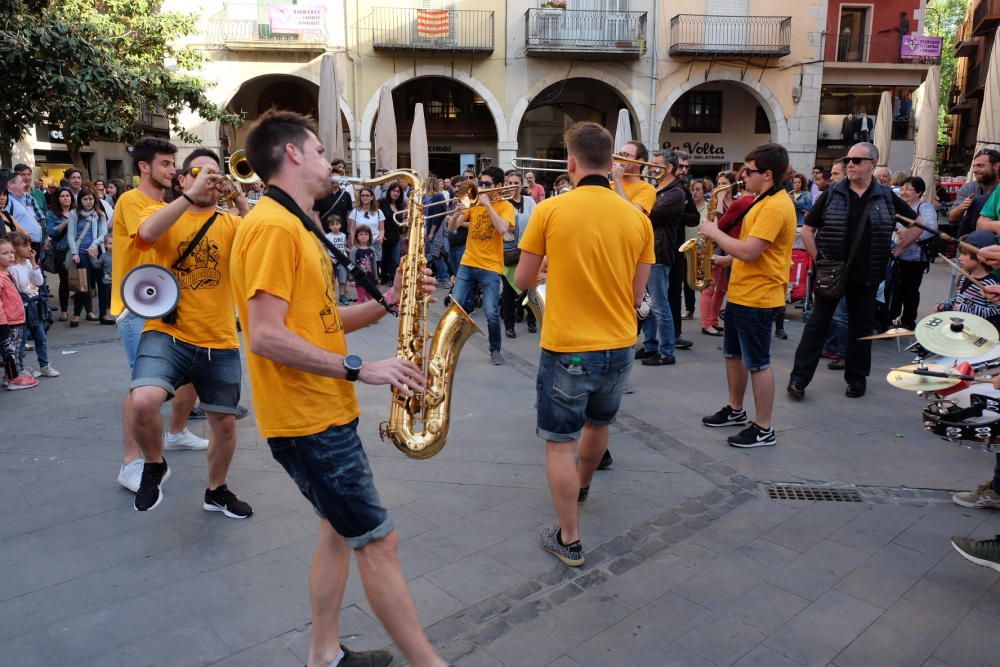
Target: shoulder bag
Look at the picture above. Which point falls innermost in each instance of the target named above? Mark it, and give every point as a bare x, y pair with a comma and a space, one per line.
831, 274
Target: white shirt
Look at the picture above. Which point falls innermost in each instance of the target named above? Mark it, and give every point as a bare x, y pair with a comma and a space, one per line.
26, 278
367, 219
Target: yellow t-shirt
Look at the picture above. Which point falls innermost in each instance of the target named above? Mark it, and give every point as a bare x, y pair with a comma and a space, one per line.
641, 193
589, 304
484, 247
206, 314
762, 282
124, 255
274, 253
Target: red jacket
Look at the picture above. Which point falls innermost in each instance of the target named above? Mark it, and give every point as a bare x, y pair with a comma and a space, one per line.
11, 308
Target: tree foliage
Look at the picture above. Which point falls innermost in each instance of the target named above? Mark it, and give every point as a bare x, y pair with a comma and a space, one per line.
943, 19
91, 67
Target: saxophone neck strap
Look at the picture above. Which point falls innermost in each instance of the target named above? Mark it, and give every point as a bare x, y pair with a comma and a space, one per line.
761, 197
360, 277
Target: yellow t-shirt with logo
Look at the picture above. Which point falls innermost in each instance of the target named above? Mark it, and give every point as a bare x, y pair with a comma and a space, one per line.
124, 255
641, 193
589, 303
206, 313
274, 253
484, 246
762, 283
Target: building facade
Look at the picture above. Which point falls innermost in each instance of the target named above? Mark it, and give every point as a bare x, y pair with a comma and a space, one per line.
500, 80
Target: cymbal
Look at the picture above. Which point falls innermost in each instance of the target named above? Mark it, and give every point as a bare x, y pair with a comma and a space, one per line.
903, 378
889, 333
956, 334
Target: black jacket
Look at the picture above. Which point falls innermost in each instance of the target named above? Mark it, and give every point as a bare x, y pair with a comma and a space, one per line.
667, 218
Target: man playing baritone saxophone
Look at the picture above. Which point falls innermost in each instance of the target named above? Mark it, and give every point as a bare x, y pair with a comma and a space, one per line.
760, 259
596, 276
302, 376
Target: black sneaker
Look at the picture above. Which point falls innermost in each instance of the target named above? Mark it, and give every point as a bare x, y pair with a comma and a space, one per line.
365, 658
196, 413
509, 331
532, 327
241, 412
606, 460
584, 492
726, 417
780, 334
796, 390
659, 360
225, 501
753, 436
683, 344
149, 495
643, 353
980, 552
570, 554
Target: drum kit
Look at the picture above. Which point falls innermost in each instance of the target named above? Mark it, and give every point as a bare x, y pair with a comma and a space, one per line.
954, 353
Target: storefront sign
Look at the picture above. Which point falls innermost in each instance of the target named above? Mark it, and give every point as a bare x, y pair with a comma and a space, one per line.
920, 46
50, 133
296, 18
700, 150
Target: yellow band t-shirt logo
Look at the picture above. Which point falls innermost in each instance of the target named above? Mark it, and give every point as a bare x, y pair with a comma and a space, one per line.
329, 313
200, 269
482, 228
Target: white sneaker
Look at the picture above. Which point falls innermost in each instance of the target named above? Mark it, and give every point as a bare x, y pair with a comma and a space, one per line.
130, 475
29, 346
184, 440
49, 372
33, 372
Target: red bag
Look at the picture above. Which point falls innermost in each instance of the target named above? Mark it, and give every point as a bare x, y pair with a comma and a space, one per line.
798, 278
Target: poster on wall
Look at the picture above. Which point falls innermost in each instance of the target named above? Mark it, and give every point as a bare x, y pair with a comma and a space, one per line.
919, 47
296, 19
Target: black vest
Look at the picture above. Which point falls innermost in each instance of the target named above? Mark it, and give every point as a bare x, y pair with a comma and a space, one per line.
831, 239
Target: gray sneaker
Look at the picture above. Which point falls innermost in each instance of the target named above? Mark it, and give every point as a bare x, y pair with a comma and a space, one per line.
496, 358
570, 554
982, 497
628, 388
980, 552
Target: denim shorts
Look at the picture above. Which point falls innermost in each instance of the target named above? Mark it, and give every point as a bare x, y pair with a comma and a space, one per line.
168, 363
747, 334
332, 472
566, 399
129, 329
341, 272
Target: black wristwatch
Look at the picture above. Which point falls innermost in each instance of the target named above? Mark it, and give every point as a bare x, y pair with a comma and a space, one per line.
353, 364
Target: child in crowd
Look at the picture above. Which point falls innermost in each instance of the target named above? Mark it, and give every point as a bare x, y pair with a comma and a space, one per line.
364, 256
102, 265
969, 298
27, 277
11, 323
339, 239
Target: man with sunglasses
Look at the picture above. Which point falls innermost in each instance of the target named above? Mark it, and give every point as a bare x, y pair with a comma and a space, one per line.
482, 261
853, 220
985, 174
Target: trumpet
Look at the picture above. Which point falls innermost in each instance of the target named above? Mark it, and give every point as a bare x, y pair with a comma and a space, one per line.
240, 172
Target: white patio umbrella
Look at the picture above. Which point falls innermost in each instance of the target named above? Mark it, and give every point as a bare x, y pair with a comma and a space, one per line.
988, 134
623, 131
331, 131
385, 132
926, 108
419, 160
883, 129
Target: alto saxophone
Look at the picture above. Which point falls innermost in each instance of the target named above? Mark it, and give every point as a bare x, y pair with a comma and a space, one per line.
698, 251
418, 424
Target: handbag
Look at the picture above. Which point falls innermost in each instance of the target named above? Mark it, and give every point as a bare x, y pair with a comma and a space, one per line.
831, 274
78, 280
48, 261
511, 253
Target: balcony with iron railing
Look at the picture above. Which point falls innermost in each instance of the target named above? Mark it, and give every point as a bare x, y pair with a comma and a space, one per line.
252, 26
585, 34
700, 35
985, 17
966, 44
465, 31
956, 101
870, 49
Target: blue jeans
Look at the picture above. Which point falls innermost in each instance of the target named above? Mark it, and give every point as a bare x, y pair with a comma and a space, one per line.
37, 333
836, 342
489, 284
332, 472
659, 326
455, 258
568, 395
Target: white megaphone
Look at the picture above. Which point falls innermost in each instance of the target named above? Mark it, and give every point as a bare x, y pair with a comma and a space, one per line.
150, 291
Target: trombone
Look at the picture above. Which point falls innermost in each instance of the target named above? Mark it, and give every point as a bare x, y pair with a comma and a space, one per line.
467, 194
521, 163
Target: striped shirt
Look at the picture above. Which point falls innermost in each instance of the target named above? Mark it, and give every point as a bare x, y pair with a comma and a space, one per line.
970, 299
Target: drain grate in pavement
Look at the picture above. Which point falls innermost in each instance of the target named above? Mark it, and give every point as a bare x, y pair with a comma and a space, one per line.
818, 493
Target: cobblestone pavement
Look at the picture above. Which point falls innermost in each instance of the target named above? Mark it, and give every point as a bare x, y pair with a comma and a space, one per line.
689, 562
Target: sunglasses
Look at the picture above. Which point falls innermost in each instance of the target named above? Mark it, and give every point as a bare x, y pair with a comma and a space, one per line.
748, 170
486, 184
857, 160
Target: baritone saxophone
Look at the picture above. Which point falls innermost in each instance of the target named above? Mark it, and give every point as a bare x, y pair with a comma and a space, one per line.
418, 424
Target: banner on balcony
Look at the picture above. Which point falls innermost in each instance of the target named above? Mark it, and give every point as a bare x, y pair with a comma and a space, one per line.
433, 22
920, 46
296, 18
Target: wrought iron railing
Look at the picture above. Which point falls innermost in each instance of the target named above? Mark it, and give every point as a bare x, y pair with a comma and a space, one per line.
877, 49
582, 31
985, 17
695, 34
468, 31
251, 22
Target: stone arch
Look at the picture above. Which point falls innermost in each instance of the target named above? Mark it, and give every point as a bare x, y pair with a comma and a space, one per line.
639, 108
422, 71
772, 105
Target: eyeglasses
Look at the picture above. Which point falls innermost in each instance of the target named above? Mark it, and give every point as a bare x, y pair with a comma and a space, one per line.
628, 155
748, 170
683, 167
857, 160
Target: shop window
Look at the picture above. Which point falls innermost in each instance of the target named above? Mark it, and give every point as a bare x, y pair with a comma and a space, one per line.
697, 111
